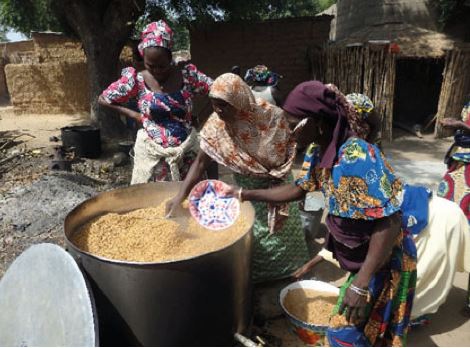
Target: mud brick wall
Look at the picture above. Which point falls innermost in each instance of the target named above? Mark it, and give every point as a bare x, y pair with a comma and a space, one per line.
50, 47
56, 87
13, 52
47, 74
54, 47
9, 50
283, 45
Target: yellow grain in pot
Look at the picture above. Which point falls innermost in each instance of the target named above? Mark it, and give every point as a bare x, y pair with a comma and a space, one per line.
311, 306
144, 235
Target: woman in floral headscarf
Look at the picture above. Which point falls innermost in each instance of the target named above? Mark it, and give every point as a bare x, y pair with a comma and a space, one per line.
263, 84
167, 144
252, 138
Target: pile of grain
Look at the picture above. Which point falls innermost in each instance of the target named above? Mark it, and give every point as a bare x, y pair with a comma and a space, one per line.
144, 235
311, 306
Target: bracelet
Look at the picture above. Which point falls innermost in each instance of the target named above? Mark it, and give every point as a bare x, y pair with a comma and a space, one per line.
359, 291
240, 194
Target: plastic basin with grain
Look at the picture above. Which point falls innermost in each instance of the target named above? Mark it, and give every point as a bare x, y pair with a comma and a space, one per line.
309, 333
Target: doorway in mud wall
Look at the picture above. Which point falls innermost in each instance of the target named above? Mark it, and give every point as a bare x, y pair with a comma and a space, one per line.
418, 84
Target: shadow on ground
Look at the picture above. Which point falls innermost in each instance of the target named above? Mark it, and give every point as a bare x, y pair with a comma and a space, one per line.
409, 147
451, 316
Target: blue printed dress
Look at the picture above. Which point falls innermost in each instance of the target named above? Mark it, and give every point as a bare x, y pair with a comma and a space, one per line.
166, 117
362, 187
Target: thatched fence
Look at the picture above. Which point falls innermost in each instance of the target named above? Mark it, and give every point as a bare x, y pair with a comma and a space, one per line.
365, 68
455, 91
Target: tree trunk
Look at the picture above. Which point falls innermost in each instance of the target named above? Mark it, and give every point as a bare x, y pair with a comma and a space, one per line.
103, 27
103, 68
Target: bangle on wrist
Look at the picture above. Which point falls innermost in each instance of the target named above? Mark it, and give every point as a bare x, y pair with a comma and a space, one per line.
240, 194
359, 291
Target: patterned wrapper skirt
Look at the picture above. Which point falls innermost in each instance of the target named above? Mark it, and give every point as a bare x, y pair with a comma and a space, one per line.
392, 291
278, 255
455, 186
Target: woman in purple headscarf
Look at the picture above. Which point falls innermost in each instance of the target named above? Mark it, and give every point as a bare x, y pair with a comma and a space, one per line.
363, 197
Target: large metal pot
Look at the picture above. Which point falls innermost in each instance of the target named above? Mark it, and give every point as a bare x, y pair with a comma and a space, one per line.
202, 300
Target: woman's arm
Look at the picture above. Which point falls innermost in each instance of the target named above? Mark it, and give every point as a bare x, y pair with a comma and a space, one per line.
121, 109
454, 123
381, 244
195, 173
279, 194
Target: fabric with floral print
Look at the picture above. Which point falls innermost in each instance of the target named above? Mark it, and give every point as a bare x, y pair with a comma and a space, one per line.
455, 185
156, 34
259, 141
392, 291
355, 120
166, 117
275, 256
262, 75
461, 153
361, 103
361, 184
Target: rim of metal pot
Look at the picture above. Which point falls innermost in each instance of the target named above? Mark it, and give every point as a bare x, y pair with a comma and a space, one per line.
141, 263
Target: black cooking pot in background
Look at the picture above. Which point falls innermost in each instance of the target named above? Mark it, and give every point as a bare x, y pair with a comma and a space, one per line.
85, 140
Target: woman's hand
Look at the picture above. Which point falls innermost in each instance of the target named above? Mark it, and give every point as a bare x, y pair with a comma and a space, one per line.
134, 115
172, 205
121, 109
198, 167
354, 307
451, 123
232, 190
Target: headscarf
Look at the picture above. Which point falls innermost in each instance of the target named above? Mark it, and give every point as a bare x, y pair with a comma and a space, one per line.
361, 103
258, 142
312, 99
156, 34
262, 75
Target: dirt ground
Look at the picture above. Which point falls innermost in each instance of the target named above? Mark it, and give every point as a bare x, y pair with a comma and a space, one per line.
25, 142
28, 186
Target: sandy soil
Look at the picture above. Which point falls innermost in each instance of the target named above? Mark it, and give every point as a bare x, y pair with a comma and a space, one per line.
41, 127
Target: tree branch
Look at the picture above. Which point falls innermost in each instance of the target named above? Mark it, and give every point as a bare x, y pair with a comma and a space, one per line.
120, 17
78, 16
